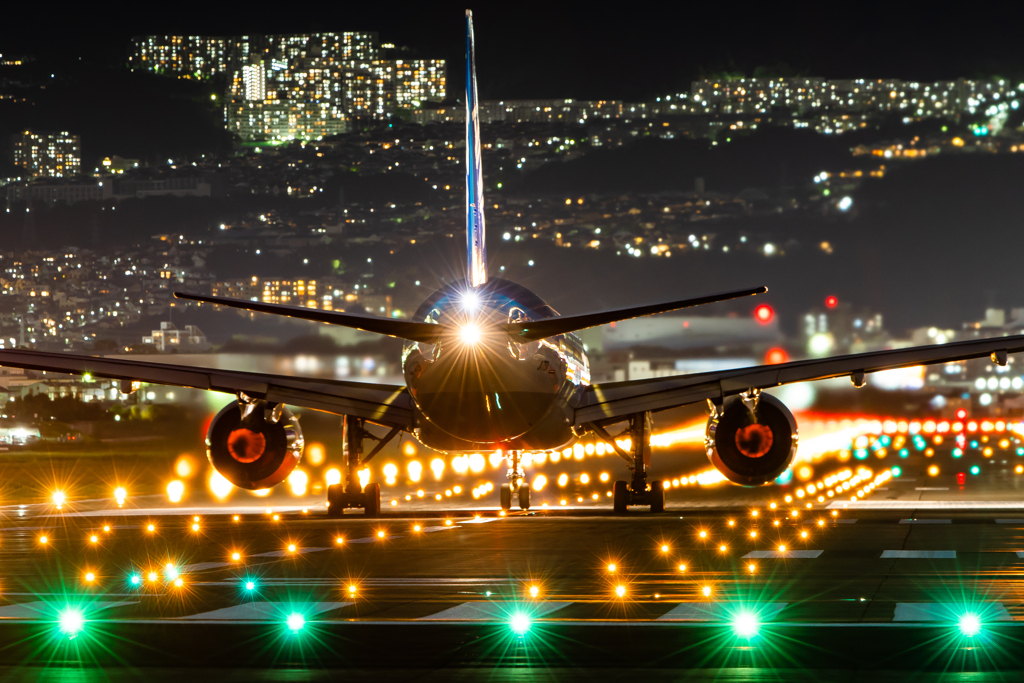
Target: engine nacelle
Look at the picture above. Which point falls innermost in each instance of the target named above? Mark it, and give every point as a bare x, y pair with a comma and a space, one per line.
751, 448
254, 444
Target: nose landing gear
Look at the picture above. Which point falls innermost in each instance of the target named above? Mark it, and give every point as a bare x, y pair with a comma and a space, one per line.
517, 485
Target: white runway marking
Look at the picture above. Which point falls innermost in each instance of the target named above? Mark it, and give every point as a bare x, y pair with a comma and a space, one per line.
487, 611
918, 555
788, 554
1010, 521
928, 505
266, 611
255, 510
931, 488
286, 553
847, 521
1020, 553
949, 612
36, 610
479, 520
926, 521
701, 611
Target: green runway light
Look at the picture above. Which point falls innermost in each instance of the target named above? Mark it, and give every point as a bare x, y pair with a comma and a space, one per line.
745, 625
975, 469
71, 622
250, 585
295, 622
519, 623
904, 453
896, 471
970, 625
135, 579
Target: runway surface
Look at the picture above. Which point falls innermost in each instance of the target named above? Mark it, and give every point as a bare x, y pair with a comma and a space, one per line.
879, 585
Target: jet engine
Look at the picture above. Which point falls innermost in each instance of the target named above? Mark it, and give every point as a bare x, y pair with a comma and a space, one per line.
254, 444
752, 439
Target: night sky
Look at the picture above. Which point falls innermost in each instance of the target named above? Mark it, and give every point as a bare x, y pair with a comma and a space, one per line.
583, 50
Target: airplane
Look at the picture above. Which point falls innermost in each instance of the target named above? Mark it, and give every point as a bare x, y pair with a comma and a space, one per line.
490, 365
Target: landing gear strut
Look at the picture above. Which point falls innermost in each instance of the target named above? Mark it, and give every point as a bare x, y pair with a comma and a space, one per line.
517, 485
638, 491
350, 494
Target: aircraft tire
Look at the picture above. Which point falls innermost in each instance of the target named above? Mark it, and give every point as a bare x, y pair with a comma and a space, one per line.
506, 496
620, 497
336, 506
524, 497
371, 500
657, 496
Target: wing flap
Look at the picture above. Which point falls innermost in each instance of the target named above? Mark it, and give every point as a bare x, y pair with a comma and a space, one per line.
384, 404
614, 400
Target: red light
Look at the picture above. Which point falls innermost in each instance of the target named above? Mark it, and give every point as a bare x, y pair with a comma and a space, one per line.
764, 314
960, 478
776, 356
831, 302
961, 414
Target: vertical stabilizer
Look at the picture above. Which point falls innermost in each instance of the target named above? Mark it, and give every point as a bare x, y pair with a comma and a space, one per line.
475, 233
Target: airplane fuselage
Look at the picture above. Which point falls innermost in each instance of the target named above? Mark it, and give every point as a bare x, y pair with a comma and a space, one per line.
484, 391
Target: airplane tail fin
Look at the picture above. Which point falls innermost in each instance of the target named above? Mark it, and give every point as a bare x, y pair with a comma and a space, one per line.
475, 234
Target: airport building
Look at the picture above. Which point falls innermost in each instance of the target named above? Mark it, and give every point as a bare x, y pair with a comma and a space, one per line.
47, 155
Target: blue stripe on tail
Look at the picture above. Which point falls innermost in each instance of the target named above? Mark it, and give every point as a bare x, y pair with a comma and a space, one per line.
475, 234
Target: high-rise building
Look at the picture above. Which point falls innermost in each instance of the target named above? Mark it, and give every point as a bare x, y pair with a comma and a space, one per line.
48, 155
297, 86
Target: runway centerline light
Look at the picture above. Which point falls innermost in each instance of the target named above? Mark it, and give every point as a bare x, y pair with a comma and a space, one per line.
519, 623
970, 624
745, 625
71, 622
620, 590
295, 622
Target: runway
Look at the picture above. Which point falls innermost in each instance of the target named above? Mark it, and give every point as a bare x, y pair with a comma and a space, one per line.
881, 584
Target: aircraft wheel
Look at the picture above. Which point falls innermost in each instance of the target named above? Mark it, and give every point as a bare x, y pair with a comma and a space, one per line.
657, 496
335, 504
620, 497
524, 497
506, 496
371, 500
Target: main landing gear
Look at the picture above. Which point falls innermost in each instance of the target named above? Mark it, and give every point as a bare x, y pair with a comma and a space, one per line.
637, 491
517, 485
350, 494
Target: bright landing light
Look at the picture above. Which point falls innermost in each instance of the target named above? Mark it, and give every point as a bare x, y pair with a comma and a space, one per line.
970, 625
745, 625
519, 623
469, 334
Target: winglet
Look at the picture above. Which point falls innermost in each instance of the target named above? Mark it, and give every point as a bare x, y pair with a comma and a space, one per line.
475, 233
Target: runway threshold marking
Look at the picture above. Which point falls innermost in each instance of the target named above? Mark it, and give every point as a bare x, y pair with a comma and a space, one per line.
918, 555
35, 610
265, 611
698, 611
949, 612
488, 611
926, 521
783, 555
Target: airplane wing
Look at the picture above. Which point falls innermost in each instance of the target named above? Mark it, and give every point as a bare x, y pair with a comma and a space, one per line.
611, 401
388, 405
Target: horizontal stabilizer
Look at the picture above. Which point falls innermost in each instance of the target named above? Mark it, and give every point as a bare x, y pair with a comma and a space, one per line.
403, 329
549, 327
